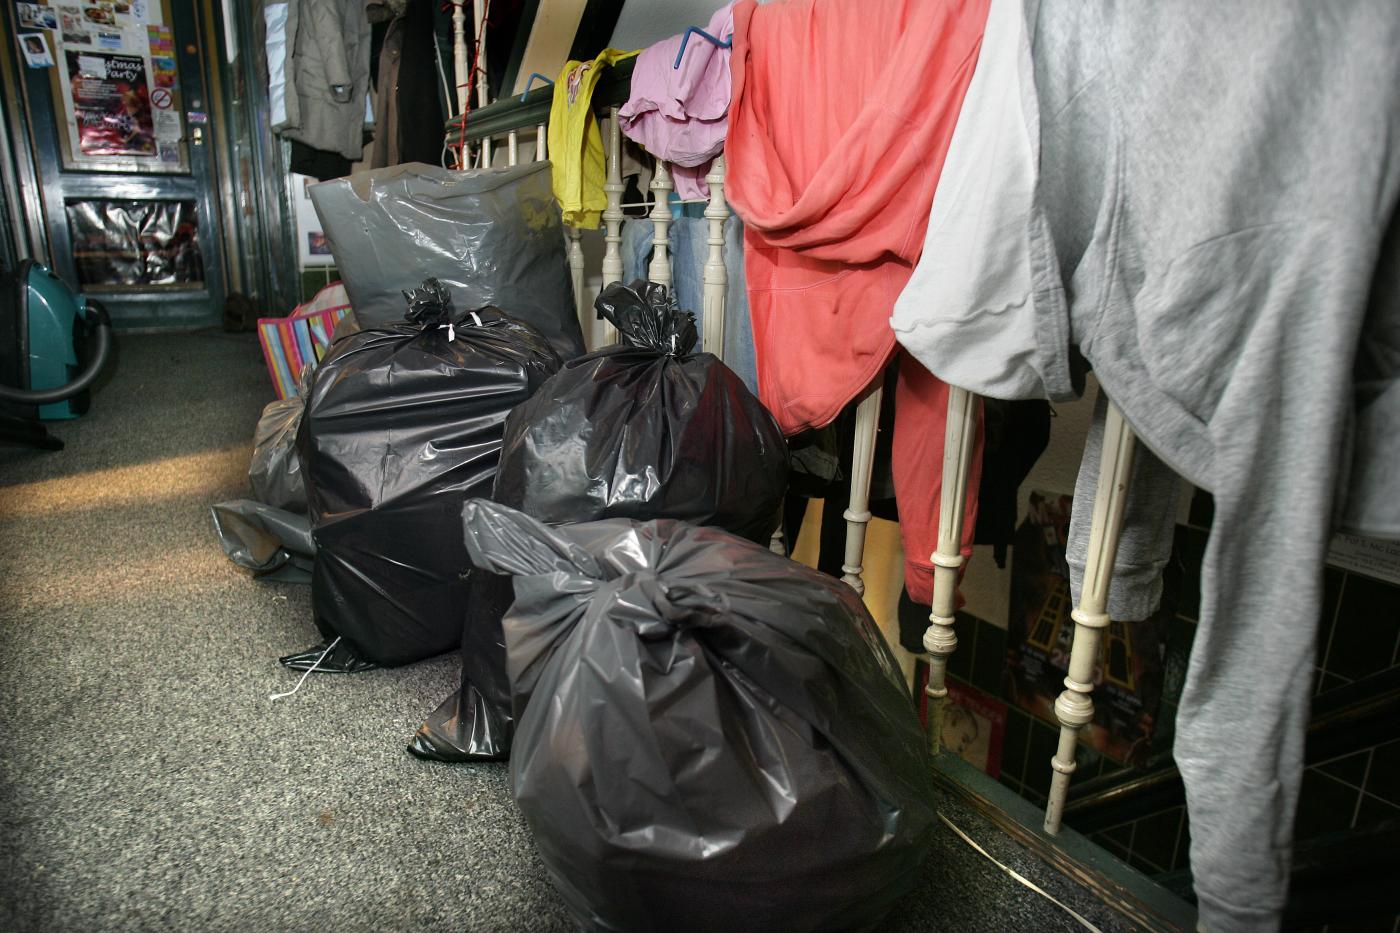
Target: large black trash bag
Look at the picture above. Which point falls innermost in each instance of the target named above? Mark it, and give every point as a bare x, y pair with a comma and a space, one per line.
643, 429
402, 426
646, 429
709, 735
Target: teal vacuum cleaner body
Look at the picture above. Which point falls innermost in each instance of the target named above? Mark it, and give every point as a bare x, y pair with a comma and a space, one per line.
54, 344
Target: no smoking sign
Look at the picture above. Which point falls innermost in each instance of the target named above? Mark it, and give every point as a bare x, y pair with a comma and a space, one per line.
161, 98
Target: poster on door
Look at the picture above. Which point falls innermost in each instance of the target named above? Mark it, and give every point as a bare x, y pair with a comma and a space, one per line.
118, 86
111, 104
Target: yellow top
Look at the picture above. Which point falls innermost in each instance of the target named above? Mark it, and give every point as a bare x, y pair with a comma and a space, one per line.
575, 145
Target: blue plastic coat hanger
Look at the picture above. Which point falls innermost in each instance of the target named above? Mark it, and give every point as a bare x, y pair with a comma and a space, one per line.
530, 82
696, 30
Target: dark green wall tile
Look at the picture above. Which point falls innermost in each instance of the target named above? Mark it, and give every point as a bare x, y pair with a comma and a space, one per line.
1375, 810
991, 657
1190, 547
1042, 749
1324, 806
1014, 741
1384, 779
1331, 593
1368, 620
1112, 846
1155, 838
1351, 768
960, 661
1202, 509
1330, 682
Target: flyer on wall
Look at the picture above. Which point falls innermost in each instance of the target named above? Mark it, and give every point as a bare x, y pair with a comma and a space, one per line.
111, 104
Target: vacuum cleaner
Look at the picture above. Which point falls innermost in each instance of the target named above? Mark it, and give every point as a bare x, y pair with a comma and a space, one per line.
54, 343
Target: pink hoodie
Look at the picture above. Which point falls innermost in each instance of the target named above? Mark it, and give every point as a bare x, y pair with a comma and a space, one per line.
841, 115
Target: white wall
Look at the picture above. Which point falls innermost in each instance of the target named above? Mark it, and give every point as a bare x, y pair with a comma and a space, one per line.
643, 22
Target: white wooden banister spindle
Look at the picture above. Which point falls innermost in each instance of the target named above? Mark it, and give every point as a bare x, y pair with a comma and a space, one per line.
541, 146
612, 219
459, 57
483, 93
716, 278
581, 306
512, 149
661, 187
1075, 708
862, 462
941, 639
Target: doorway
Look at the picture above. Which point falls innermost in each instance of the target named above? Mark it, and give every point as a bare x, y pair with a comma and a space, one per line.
118, 129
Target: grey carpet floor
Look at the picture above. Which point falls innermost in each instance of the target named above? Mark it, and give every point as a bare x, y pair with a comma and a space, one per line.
147, 782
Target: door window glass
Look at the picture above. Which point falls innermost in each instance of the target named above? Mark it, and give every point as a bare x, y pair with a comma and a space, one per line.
136, 243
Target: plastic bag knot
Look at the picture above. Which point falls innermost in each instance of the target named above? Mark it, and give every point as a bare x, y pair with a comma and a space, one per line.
429, 304
646, 316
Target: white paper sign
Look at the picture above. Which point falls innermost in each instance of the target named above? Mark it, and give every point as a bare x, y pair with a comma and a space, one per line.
1379, 559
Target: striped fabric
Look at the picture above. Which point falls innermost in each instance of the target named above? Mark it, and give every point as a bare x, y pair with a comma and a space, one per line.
290, 343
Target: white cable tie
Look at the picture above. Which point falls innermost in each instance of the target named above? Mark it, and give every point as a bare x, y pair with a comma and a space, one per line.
451, 332
309, 671
476, 317
1019, 877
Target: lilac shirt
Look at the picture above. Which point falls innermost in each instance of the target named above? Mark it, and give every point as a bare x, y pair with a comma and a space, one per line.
681, 114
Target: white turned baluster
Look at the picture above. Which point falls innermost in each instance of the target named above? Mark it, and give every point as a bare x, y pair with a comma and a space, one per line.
1074, 708
541, 147
612, 218
583, 310
512, 149
862, 462
660, 269
482, 91
459, 55
941, 640
716, 278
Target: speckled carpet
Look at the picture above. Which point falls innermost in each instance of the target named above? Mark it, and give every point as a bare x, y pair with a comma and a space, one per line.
146, 781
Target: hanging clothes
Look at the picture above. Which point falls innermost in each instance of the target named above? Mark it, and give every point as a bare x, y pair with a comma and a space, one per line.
688, 253
318, 64
407, 83
681, 115
575, 145
1216, 231
840, 117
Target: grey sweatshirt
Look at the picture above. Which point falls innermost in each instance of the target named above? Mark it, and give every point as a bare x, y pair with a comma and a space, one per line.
1202, 192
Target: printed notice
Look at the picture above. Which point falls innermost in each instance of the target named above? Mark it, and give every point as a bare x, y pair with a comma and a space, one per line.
111, 104
1379, 559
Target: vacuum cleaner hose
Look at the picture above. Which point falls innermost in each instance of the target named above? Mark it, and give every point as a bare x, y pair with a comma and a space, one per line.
102, 324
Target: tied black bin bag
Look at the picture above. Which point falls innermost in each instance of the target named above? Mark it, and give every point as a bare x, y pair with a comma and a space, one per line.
402, 426
646, 429
710, 736
643, 429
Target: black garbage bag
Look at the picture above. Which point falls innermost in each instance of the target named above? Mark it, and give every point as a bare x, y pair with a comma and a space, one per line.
643, 429
274, 473
719, 737
402, 426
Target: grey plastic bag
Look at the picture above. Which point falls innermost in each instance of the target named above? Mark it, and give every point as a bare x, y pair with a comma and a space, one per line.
493, 236
269, 541
274, 472
719, 737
